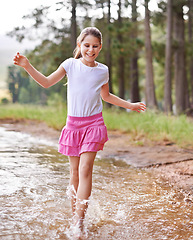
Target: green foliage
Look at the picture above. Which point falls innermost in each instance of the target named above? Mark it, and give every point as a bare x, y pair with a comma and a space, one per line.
56, 46
54, 116
141, 127
152, 126
4, 101
51, 52
55, 99
16, 81
24, 96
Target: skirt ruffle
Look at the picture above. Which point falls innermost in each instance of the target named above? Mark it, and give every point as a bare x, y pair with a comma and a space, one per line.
80, 135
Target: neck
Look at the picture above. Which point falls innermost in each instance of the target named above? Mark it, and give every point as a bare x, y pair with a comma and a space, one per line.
89, 64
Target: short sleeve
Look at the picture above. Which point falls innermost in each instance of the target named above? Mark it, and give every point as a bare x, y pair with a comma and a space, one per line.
106, 79
67, 64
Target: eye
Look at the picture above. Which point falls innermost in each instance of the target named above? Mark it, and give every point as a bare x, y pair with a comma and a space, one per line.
86, 45
95, 46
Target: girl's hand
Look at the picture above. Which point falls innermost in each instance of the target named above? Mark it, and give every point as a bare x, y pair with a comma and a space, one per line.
20, 60
138, 107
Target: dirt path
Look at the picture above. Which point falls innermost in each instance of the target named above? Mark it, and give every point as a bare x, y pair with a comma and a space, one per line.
165, 159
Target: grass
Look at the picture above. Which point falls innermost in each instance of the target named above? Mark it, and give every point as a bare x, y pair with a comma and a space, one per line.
154, 126
54, 116
149, 125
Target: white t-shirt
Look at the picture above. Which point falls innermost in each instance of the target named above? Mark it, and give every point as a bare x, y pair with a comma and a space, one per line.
84, 86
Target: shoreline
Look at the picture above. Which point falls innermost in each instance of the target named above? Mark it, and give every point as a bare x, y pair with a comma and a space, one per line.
167, 161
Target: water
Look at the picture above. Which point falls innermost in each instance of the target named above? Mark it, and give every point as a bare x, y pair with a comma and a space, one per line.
126, 203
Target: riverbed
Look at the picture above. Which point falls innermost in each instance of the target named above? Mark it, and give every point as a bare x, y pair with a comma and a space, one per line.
126, 202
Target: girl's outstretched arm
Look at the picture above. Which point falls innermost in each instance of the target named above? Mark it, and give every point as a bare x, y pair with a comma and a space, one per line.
44, 81
110, 98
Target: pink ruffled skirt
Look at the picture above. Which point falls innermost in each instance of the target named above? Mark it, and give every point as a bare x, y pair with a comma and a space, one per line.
83, 134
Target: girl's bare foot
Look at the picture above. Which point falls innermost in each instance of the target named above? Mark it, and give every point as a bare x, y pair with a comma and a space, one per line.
78, 229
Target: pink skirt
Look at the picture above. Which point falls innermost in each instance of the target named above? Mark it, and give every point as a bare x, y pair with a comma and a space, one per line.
83, 134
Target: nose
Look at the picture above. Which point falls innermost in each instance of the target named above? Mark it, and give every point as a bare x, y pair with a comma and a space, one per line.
91, 48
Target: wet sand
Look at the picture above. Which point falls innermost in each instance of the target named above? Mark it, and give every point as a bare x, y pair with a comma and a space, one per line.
171, 163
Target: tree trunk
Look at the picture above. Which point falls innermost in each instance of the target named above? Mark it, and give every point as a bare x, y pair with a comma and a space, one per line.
168, 61
179, 60
121, 63
190, 15
73, 24
150, 88
134, 59
108, 55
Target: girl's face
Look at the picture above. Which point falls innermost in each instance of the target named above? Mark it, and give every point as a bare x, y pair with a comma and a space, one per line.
90, 48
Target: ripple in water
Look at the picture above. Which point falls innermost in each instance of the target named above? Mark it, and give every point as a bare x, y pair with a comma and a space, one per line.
126, 203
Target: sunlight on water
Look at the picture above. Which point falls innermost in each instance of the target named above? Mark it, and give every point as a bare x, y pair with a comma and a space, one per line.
126, 203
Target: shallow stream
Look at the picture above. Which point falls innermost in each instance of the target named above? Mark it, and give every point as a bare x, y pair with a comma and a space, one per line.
126, 203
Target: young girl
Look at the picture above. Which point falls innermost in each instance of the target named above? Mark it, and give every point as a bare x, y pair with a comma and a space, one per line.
85, 132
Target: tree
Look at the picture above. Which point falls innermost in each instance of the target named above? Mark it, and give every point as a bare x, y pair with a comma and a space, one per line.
73, 24
190, 39
121, 61
108, 54
150, 88
73, 5
106, 27
134, 59
49, 29
168, 60
181, 85
121, 42
37, 28
15, 81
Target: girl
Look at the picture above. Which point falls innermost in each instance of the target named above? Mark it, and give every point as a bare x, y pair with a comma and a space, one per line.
85, 132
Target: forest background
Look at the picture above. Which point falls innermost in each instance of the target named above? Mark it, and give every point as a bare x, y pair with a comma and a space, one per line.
150, 55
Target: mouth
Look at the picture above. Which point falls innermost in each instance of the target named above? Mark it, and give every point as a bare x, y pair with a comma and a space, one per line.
90, 55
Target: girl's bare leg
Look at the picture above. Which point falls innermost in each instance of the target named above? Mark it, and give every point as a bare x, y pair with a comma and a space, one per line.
74, 179
85, 184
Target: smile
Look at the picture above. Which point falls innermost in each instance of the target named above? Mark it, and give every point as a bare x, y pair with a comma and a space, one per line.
89, 55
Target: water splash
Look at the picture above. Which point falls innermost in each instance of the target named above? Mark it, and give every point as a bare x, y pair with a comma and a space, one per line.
126, 203
71, 192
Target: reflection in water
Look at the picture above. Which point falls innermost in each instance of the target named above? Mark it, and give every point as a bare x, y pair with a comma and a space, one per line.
126, 203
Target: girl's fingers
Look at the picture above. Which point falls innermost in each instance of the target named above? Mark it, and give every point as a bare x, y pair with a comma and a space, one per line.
15, 61
16, 58
143, 106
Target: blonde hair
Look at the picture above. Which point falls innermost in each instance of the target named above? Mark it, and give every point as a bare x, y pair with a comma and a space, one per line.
85, 32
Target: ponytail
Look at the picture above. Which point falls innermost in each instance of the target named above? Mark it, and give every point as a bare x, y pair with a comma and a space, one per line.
77, 53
